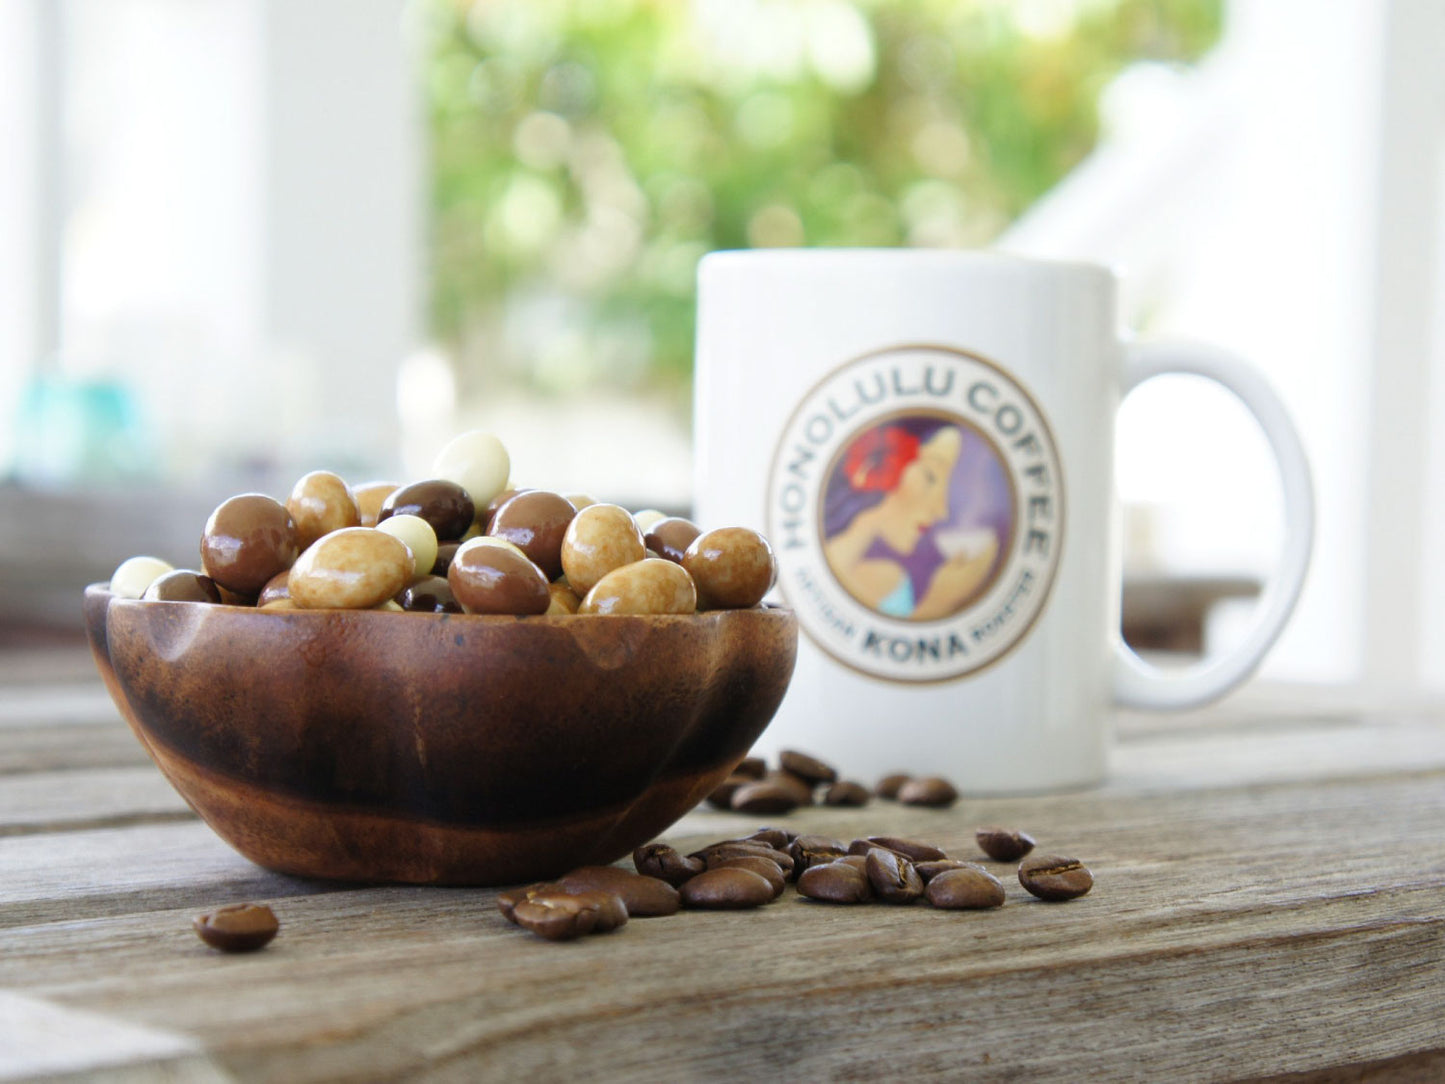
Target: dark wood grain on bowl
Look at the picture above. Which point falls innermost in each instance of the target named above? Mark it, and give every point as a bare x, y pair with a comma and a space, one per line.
435, 747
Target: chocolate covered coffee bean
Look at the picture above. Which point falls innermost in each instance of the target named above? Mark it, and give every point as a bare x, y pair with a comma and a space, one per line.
733, 568
133, 575
355, 568
370, 496
417, 535
492, 577
564, 599
670, 537
649, 586
183, 585
429, 595
321, 502
478, 462
247, 540
535, 521
600, 538
448, 507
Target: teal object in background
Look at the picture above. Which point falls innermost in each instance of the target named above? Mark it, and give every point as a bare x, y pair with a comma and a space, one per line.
74, 432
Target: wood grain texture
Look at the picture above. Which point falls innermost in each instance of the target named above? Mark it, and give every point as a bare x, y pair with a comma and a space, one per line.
1269, 903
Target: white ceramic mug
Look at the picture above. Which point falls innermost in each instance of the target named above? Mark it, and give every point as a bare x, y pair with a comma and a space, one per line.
927, 439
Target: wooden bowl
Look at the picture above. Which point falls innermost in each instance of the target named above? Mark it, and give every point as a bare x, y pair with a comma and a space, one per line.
437, 748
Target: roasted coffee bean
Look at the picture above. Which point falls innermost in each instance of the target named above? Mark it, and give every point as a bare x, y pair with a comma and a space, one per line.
247, 540
354, 568
763, 867
644, 896
733, 568
928, 791
718, 853
777, 838
889, 785
670, 537
912, 849
240, 927
968, 888
445, 552
183, 585
763, 797
508, 899
535, 520
444, 504
932, 868
562, 916
835, 882
491, 577
800, 788
752, 767
857, 861
846, 793
812, 850
722, 795
726, 890
429, 595
810, 770
321, 502
663, 862
1051, 877
1004, 844
893, 878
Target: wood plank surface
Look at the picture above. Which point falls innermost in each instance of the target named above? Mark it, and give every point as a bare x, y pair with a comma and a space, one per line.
1269, 903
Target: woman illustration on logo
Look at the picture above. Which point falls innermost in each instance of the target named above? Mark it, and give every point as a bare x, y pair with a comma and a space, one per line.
890, 488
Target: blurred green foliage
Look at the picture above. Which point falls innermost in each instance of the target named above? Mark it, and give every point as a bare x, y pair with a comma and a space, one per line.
586, 153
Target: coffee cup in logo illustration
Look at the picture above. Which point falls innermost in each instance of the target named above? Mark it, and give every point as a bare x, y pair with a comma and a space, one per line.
894, 488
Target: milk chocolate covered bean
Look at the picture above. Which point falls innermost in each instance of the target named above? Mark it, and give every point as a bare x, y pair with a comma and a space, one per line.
277, 589
445, 505
536, 521
600, 537
732, 567
670, 537
488, 578
135, 574
370, 496
355, 568
321, 502
650, 586
418, 537
247, 540
477, 462
183, 585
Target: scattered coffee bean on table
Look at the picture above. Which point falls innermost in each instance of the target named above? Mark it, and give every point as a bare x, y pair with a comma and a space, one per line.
778, 838
966, 888
835, 882
1055, 878
752, 767
1004, 844
807, 768
727, 890
889, 785
931, 791
563, 916
645, 897
763, 797
765, 868
931, 869
892, 876
811, 850
912, 849
845, 792
239, 927
663, 862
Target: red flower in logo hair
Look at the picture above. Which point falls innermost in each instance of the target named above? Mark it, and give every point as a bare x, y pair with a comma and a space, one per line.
876, 459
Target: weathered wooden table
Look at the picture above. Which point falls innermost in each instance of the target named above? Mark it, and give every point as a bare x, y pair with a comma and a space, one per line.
1269, 900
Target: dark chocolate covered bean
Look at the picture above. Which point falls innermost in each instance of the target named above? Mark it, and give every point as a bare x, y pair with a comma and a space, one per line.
442, 503
429, 595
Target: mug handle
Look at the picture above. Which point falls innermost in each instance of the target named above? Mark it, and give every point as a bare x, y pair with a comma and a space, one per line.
1140, 685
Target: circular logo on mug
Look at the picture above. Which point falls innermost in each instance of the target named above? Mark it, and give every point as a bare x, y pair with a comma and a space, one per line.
916, 508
